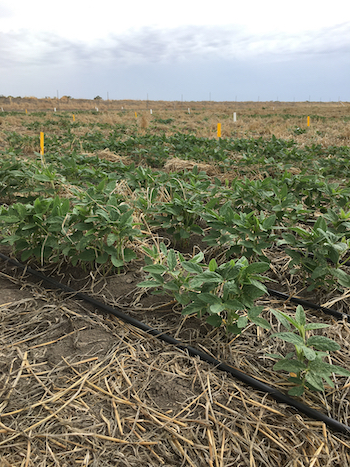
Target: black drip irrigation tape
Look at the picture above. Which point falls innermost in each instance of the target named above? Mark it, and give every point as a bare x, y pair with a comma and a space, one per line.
256, 384
307, 304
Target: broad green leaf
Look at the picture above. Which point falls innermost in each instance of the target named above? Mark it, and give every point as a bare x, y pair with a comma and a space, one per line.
255, 311
191, 309
112, 238
147, 283
234, 305
281, 318
256, 268
129, 255
315, 381
116, 262
296, 391
87, 255
209, 298
323, 343
292, 366
269, 222
242, 322
213, 265
342, 277
155, 269
261, 322
171, 259
290, 337
192, 267
300, 315
311, 326
216, 308
171, 286
214, 320
102, 259
198, 257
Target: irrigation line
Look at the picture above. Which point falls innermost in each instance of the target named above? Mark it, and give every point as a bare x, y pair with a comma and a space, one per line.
256, 384
307, 304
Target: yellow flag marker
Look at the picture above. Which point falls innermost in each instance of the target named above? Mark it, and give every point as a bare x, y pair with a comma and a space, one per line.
219, 130
308, 121
41, 143
73, 118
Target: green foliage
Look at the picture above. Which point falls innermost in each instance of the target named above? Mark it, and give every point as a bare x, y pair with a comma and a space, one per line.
224, 294
306, 362
94, 227
318, 251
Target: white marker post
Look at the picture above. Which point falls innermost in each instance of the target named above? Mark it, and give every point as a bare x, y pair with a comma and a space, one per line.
189, 110
151, 111
234, 117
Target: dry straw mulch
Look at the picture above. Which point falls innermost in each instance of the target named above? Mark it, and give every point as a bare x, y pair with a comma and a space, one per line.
80, 388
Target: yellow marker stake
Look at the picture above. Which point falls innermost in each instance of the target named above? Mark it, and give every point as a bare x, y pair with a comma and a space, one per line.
219, 130
26, 111
135, 115
308, 121
41, 143
73, 118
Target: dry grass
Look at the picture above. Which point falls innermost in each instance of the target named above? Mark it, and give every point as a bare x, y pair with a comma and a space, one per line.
81, 390
78, 388
329, 121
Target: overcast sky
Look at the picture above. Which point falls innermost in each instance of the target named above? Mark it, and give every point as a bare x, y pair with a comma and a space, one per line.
188, 49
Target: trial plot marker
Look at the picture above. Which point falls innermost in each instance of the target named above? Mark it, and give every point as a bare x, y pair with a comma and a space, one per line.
308, 121
234, 116
219, 130
73, 118
135, 114
41, 143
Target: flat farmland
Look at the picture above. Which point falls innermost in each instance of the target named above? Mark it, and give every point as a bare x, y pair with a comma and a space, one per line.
209, 239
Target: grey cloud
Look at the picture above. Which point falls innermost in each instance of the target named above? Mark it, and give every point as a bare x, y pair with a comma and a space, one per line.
186, 43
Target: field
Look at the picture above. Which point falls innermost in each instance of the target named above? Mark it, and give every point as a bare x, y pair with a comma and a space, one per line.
141, 207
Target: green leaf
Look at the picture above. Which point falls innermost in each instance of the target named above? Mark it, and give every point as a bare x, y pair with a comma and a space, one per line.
171, 259
281, 318
191, 309
290, 337
256, 268
292, 366
192, 267
269, 222
255, 311
242, 322
117, 262
322, 343
155, 269
261, 322
129, 255
216, 308
311, 326
102, 259
342, 277
147, 283
171, 286
213, 265
87, 255
296, 391
209, 298
214, 320
300, 315
315, 381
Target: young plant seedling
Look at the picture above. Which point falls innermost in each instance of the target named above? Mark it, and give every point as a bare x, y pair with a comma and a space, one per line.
305, 364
